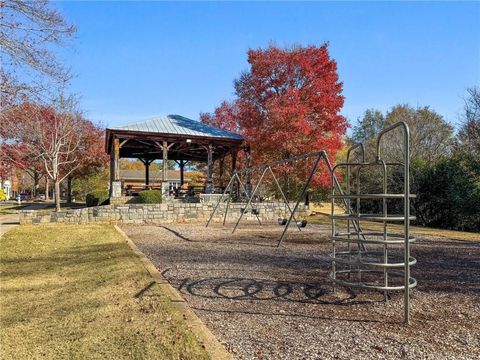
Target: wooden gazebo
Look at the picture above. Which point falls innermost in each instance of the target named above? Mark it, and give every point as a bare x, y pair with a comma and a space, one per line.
170, 137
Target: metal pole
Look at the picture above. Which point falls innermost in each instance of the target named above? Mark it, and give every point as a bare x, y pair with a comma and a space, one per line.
250, 200
359, 248
228, 201
226, 210
347, 203
220, 199
407, 226
305, 187
385, 233
406, 210
356, 224
283, 196
245, 191
280, 162
332, 229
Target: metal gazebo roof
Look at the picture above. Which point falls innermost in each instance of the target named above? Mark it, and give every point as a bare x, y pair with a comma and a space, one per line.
186, 138
178, 125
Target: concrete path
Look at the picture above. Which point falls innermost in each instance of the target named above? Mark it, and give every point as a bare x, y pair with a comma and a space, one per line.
10, 221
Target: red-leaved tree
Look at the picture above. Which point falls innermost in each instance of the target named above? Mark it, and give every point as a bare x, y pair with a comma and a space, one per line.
91, 154
287, 104
57, 136
20, 157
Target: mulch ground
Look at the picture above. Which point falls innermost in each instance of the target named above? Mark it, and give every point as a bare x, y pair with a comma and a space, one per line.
265, 302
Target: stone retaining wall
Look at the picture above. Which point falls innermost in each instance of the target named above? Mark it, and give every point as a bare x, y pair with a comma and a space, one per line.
154, 213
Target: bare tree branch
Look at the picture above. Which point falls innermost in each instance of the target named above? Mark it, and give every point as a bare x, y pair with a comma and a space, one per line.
29, 32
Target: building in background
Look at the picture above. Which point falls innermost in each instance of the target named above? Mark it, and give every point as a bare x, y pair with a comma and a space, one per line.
6, 185
9, 185
134, 180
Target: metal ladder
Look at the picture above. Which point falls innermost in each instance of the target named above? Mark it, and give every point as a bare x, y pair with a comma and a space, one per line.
383, 268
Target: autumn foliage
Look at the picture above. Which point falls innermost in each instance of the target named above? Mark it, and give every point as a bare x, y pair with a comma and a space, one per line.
287, 104
57, 142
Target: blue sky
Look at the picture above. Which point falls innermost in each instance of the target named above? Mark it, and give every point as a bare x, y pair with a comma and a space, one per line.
134, 60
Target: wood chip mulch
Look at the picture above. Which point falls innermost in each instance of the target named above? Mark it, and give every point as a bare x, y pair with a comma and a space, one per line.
265, 302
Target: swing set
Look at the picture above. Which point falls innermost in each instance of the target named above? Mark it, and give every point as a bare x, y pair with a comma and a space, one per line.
266, 169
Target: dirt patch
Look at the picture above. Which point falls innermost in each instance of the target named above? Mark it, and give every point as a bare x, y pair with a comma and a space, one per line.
266, 302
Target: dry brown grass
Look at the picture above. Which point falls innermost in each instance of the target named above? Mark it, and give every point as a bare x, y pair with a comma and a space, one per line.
78, 291
416, 230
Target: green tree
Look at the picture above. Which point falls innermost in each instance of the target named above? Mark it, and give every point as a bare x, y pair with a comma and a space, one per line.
431, 136
469, 134
449, 193
368, 126
95, 182
431, 147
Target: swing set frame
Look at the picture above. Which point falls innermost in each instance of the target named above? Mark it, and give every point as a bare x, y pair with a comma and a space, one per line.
317, 156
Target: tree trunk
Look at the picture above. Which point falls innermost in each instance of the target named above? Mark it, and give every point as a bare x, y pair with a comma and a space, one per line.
36, 181
47, 188
69, 190
57, 195
287, 186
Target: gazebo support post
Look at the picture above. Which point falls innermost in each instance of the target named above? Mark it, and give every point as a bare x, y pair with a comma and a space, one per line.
147, 172
165, 160
147, 163
115, 169
181, 164
182, 171
209, 187
116, 148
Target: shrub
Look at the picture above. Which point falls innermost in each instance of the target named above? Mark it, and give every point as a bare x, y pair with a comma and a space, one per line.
96, 198
448, 193
150, 197
3, 196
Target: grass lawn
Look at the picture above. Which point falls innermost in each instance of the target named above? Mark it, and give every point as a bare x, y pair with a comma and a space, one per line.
50, 207
10, 209
79, 292
415, 230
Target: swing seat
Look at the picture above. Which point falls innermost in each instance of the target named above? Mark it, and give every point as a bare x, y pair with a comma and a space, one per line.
302, 223
255, 211
282, 221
